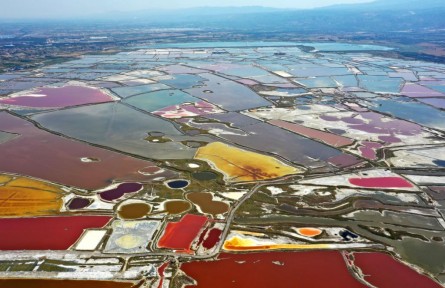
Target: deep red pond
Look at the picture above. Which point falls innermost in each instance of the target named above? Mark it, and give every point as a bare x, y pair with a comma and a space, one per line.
46, 233
383, 271
316, 269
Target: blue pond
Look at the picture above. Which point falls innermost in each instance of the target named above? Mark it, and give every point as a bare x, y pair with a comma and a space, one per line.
178, 184
348, 235
440, 163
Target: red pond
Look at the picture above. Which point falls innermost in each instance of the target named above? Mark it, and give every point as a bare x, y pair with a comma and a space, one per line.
384, 271
46, 233
212, 239
180, 235
161, 271
317, 269
381, 182
57, 97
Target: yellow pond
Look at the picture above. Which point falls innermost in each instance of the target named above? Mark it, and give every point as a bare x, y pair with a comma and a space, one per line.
130, 241
239, 165
237, 243
27, 197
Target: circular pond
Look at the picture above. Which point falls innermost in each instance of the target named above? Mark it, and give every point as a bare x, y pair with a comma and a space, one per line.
177, 184
177, 206
133, 209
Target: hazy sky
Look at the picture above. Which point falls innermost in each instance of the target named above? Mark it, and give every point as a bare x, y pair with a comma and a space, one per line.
73, 8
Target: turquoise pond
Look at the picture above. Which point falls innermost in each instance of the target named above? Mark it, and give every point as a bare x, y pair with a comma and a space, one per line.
153, 101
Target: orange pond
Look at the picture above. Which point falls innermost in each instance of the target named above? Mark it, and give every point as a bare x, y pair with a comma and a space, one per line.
59, 159
21, 196
315, 269
240, 165
206, 203
309, 232
180, 235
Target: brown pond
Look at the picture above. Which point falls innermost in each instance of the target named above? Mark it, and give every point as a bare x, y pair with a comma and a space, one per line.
134, 210
177, 206
207, 204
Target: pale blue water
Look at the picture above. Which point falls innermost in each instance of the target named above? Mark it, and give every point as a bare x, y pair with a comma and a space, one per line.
413, 111
125, 92
319, 82
160, 99
381, 84
317, 46
183, 81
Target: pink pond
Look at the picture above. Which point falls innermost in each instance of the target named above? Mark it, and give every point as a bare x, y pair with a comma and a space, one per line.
436, 102
57, 97
381, 182
419, 91
369, 149
389, 130
344, 160
326, 137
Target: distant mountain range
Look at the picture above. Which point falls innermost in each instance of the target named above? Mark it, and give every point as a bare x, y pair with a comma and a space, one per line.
378, 5
380, 15
392, 5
